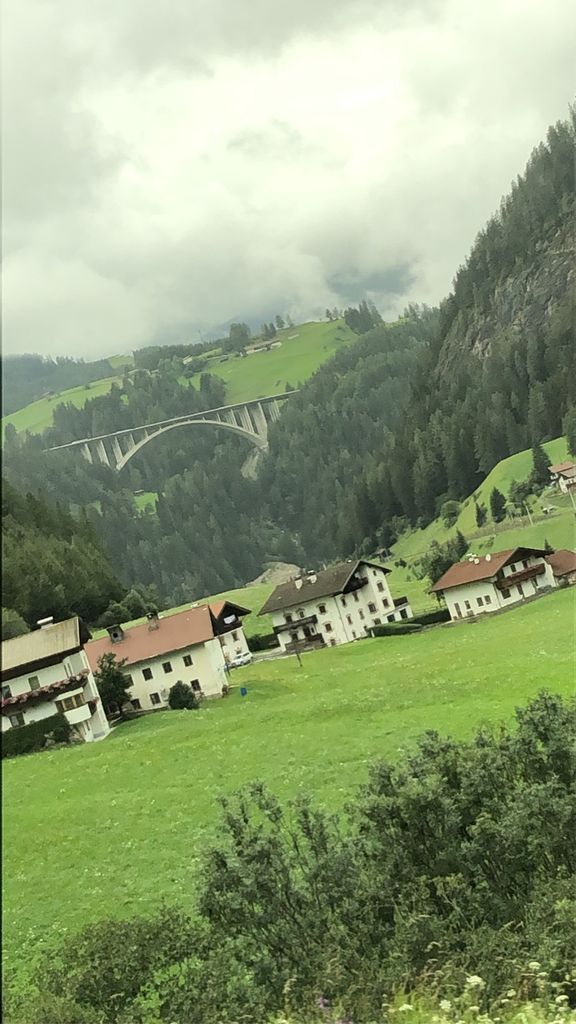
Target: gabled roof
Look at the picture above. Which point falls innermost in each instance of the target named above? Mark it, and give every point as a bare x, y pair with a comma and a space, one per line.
562, 561
561, 467
324, 583
217, 608
49, 643
171, 633
484, 569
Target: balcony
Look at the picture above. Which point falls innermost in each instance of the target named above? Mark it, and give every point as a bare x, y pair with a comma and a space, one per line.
308, 620
505, 582
79, 714
356, 583
309, 643
399, 601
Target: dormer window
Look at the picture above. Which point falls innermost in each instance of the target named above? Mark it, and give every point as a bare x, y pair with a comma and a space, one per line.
116, 634
300, 613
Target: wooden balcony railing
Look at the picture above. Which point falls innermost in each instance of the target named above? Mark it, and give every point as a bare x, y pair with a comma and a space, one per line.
308, 620
505, 582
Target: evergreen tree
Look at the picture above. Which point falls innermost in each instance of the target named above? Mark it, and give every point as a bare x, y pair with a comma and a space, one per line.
497, 505
569, 428
540, 476
480, 514
279, 322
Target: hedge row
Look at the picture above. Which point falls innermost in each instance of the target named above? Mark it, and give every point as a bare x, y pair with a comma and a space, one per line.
26, 739
427, 618
395, 628
262, 641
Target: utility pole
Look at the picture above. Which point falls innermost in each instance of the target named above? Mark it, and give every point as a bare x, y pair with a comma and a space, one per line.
530, 520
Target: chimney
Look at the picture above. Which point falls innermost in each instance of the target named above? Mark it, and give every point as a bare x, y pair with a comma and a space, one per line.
153, 620
298, 583
48, 621
312, 577
116, 633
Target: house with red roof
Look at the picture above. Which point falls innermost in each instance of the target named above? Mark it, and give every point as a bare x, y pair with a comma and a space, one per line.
488, 583
563, 474
563, 565
194, 646
47, 671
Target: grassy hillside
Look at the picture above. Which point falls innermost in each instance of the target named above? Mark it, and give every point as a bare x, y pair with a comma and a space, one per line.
304, 348
37, 416
114, 827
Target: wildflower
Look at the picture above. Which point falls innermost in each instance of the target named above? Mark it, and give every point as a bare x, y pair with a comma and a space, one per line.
475, 981
534, 965
474, 1009
445, 1005
511, 993
404, 1007
561, 999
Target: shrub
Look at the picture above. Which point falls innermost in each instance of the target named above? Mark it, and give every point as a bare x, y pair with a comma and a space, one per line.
395, 628
262, 641
183, 698
27, 739
428, 618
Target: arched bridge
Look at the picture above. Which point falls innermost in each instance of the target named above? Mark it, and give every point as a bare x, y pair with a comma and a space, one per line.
247, 419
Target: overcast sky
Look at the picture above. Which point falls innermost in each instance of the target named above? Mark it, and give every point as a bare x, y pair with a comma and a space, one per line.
171, 167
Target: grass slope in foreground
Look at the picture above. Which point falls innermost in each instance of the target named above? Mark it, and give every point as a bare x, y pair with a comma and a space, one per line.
113, 827
304, 348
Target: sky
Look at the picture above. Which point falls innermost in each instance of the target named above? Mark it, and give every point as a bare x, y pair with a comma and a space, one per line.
170, 168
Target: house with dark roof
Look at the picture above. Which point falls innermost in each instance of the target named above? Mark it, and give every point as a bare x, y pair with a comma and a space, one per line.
563, 565
333, 606
563, 474
47, 671
488, 583
194, 646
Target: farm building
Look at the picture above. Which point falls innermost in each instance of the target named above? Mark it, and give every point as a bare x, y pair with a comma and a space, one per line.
333, 606
563, 564
194, 646
563, 474
47, 671
479, 585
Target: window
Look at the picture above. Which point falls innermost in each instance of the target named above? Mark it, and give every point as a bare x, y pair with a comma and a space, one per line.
360, 614
147, 673
457, 610
372, 607
488, 599
187, 659
403, 613
300, 613
6, 692
332, 643
195, 684
67, 703
356, 598
520, 591
235, 634
136, 705
512, 568
17, 719
294, 637
385, 602
353, 634
380, 586
467, 605
343, 599
154, 698
322, 609
480, 601
34, 682
349, 620
167, 667
525, 563
377, 622
288, 616
129, 680
390, 618
505, 593
327, 627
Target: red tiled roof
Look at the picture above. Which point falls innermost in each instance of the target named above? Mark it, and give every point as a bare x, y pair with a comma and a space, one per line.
561, 467
486, 567
140, 643
562, 561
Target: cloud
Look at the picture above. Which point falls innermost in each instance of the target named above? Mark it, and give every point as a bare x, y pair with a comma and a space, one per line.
168, 169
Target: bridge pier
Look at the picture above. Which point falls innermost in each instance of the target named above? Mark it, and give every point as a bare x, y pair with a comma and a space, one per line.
85, 449
117, 450
260, 420
102, 453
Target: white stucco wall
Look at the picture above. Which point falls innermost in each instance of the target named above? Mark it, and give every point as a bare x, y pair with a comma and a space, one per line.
208, 667
233, 643
349, 615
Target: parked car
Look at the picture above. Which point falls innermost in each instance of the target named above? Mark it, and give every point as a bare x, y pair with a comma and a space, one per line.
241, 659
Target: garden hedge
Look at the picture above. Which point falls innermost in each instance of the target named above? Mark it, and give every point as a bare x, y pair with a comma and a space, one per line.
27, 739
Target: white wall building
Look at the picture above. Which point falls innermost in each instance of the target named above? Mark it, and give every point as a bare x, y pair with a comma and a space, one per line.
193, 646
47, 671
333, 606
480, 585
563, 474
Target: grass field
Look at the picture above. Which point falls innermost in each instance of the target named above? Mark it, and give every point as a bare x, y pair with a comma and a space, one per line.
268, 373
39, 415
112, 828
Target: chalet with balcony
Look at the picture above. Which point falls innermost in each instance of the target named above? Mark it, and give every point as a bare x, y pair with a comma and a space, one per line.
333, 606
193, 646
480, 585
47, 671
563, 474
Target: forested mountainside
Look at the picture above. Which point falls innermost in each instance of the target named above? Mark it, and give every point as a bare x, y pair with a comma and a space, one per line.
52, 564
497, 373
412, 414
26, 378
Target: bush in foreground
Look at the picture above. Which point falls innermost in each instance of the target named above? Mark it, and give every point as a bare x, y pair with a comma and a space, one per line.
447, 880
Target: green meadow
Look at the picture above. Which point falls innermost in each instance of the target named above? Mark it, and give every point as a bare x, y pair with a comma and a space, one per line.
114, 827
38, 416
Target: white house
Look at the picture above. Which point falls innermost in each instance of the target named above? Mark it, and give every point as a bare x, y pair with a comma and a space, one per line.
479, 585
47, 671
333, 606
563, 474
193, 646
563, 565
